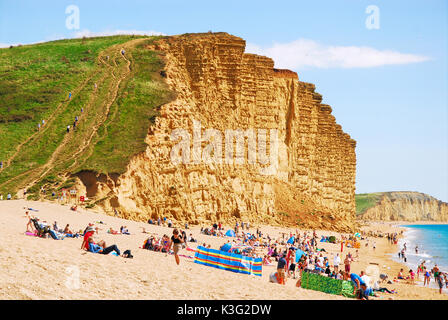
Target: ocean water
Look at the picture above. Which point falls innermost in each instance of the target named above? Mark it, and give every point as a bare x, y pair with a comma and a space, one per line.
432, 242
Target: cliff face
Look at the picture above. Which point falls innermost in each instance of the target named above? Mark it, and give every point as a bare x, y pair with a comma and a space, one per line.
220, 87
407, 206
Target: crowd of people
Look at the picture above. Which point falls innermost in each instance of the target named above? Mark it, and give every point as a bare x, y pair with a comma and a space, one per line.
292, 254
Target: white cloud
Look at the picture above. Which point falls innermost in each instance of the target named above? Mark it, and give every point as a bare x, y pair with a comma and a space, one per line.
309, 53
88, 33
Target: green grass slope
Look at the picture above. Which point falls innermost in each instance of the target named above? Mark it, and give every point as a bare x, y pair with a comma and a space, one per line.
365, 201
34, 86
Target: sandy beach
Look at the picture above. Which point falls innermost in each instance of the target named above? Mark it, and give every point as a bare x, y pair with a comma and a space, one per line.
37, 268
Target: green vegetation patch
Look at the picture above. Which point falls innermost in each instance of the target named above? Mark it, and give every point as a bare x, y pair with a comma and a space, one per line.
135, 109
365, 201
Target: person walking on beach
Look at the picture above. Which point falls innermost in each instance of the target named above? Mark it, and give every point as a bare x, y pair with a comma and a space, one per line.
336, 262
427, 277
347, 262
176, 243
438, 277
281, 265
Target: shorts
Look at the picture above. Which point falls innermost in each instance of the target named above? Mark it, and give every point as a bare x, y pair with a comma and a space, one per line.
292, 267
347, 268
177, 247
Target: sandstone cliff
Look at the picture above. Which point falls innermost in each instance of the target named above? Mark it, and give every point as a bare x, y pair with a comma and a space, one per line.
220, 87
407, 206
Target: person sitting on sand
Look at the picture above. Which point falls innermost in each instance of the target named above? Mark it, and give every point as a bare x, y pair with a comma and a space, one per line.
74, 207
70, 233
266, 260
364, 292
400, 275
88, 233
96, 248
124, 230
191, 239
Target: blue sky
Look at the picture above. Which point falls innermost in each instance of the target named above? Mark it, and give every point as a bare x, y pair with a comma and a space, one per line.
387, 86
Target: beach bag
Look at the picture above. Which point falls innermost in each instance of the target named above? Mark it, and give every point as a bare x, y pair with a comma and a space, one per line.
127, 254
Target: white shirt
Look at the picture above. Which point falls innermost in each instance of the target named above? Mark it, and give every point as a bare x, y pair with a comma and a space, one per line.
321, 260
366, 279
337, 260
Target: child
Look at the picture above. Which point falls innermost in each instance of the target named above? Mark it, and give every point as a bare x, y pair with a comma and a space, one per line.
412, 276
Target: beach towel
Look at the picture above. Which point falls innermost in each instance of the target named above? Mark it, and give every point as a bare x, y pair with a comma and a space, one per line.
326, 284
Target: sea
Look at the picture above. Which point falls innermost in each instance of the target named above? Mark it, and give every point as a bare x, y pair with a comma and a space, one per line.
432, 243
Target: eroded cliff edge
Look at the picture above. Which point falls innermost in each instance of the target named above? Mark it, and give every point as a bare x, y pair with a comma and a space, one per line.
221, 87
406, 206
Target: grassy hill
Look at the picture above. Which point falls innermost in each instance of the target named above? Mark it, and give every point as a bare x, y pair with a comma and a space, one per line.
118, 95
365, 201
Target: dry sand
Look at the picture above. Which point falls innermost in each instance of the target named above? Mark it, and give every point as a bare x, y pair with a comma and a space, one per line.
36, 268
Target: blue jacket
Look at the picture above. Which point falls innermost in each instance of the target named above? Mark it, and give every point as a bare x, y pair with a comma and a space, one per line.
94, 248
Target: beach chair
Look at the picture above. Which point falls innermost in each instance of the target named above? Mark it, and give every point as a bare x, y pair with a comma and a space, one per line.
38, 227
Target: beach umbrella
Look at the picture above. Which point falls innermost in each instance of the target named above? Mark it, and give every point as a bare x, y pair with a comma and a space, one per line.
357, 234
299, 254
226, 247
230, 233
291, 240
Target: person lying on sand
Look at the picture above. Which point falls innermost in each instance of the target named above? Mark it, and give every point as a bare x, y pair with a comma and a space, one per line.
112, 231
97, 248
